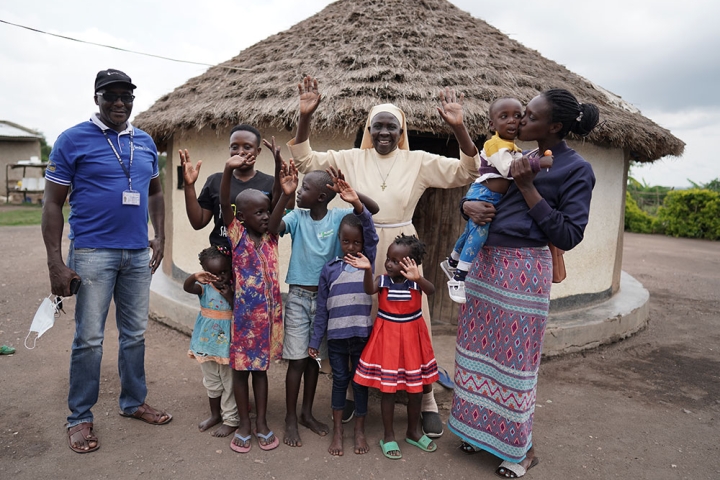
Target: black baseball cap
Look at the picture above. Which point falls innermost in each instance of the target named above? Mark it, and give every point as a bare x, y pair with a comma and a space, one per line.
110, 76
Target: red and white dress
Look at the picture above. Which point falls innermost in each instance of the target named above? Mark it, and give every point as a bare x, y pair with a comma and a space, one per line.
399, 354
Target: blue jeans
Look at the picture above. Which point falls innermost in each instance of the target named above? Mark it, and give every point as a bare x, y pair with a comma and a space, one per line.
122, 275
474, 236
344, 355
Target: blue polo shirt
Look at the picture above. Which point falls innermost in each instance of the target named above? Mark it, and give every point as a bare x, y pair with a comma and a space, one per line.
83, 160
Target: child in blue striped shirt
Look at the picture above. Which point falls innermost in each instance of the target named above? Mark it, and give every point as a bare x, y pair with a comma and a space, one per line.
343, 314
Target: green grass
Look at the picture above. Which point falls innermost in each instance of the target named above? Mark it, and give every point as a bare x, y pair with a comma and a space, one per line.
16, 215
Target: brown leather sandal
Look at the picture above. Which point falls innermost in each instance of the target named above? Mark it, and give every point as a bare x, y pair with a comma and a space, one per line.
148, 415
86, 430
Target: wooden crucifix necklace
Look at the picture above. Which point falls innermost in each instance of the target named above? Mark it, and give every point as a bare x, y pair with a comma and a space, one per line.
383, 185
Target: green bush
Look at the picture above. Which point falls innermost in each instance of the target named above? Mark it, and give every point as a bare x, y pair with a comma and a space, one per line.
636, 220
693, 213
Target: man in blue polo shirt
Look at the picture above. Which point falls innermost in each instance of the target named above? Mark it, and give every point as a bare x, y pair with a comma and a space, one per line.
111, 171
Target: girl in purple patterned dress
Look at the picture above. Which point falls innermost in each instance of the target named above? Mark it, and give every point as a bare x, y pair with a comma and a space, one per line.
257, 315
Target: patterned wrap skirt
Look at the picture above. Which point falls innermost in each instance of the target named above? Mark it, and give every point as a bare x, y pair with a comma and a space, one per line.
499, 341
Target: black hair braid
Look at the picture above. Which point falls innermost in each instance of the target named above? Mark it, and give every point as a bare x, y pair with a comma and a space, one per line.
214, 251
578, 118
417, 248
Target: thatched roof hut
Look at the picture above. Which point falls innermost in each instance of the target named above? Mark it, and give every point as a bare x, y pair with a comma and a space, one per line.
400, 51
366, 52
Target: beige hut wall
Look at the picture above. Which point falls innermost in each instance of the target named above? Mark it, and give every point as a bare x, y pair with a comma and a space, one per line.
591, 265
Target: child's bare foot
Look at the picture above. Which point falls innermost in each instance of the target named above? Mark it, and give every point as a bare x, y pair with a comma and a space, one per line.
292, 437
224, 431
336, 446
314, 424
209, 423
361, 445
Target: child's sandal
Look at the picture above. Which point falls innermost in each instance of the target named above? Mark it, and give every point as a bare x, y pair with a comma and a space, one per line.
391, 447
246, 443
265, 438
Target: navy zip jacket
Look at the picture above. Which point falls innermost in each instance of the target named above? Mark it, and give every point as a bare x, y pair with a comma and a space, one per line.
559, 218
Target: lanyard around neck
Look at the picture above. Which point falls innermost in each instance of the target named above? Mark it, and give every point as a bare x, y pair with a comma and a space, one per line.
125, 169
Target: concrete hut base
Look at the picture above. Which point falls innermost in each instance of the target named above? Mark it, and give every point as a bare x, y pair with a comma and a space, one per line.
618, 317
567, 331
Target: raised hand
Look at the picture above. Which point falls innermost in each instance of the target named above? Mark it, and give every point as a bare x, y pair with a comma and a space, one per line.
205, 277
190, 173
410, 269
450, 108
341, 187
346, 192
237, 161
288, 177
309, 95
360, 262
335, 173
274, 149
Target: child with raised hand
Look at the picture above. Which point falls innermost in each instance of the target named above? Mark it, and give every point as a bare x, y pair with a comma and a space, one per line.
210, 342
257, 313
244, 140
313, 228
343, 315
494, 180
399, 354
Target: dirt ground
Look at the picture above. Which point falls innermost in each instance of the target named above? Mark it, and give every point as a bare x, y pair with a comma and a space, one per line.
647, 407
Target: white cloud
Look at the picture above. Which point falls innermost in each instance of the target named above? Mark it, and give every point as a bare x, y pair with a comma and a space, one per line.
699, 164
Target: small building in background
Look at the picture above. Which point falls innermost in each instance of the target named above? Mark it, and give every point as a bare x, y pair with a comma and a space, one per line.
18, 145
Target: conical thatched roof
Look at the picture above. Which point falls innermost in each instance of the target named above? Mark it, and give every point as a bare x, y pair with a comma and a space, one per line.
365, 52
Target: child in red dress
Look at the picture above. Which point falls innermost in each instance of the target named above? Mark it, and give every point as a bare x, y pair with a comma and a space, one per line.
399, 354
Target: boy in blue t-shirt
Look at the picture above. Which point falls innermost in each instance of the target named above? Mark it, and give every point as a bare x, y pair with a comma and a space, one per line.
313, 228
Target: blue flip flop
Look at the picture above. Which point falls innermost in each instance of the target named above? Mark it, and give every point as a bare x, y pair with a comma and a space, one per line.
444, 379
268, 445
238, 448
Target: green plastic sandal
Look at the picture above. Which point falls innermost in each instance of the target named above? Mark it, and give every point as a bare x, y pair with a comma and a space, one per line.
390, 447
5, 350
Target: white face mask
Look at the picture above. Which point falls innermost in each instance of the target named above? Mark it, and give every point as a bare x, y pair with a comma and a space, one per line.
44, 319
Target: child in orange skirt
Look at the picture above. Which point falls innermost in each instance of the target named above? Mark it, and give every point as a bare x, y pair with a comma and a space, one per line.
399, 354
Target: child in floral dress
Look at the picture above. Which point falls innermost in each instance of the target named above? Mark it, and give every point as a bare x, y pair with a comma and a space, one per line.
257, 315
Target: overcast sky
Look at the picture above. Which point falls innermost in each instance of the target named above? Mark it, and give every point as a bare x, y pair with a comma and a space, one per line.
662, 56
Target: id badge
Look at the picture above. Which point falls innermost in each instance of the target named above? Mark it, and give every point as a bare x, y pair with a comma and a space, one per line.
131, 197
